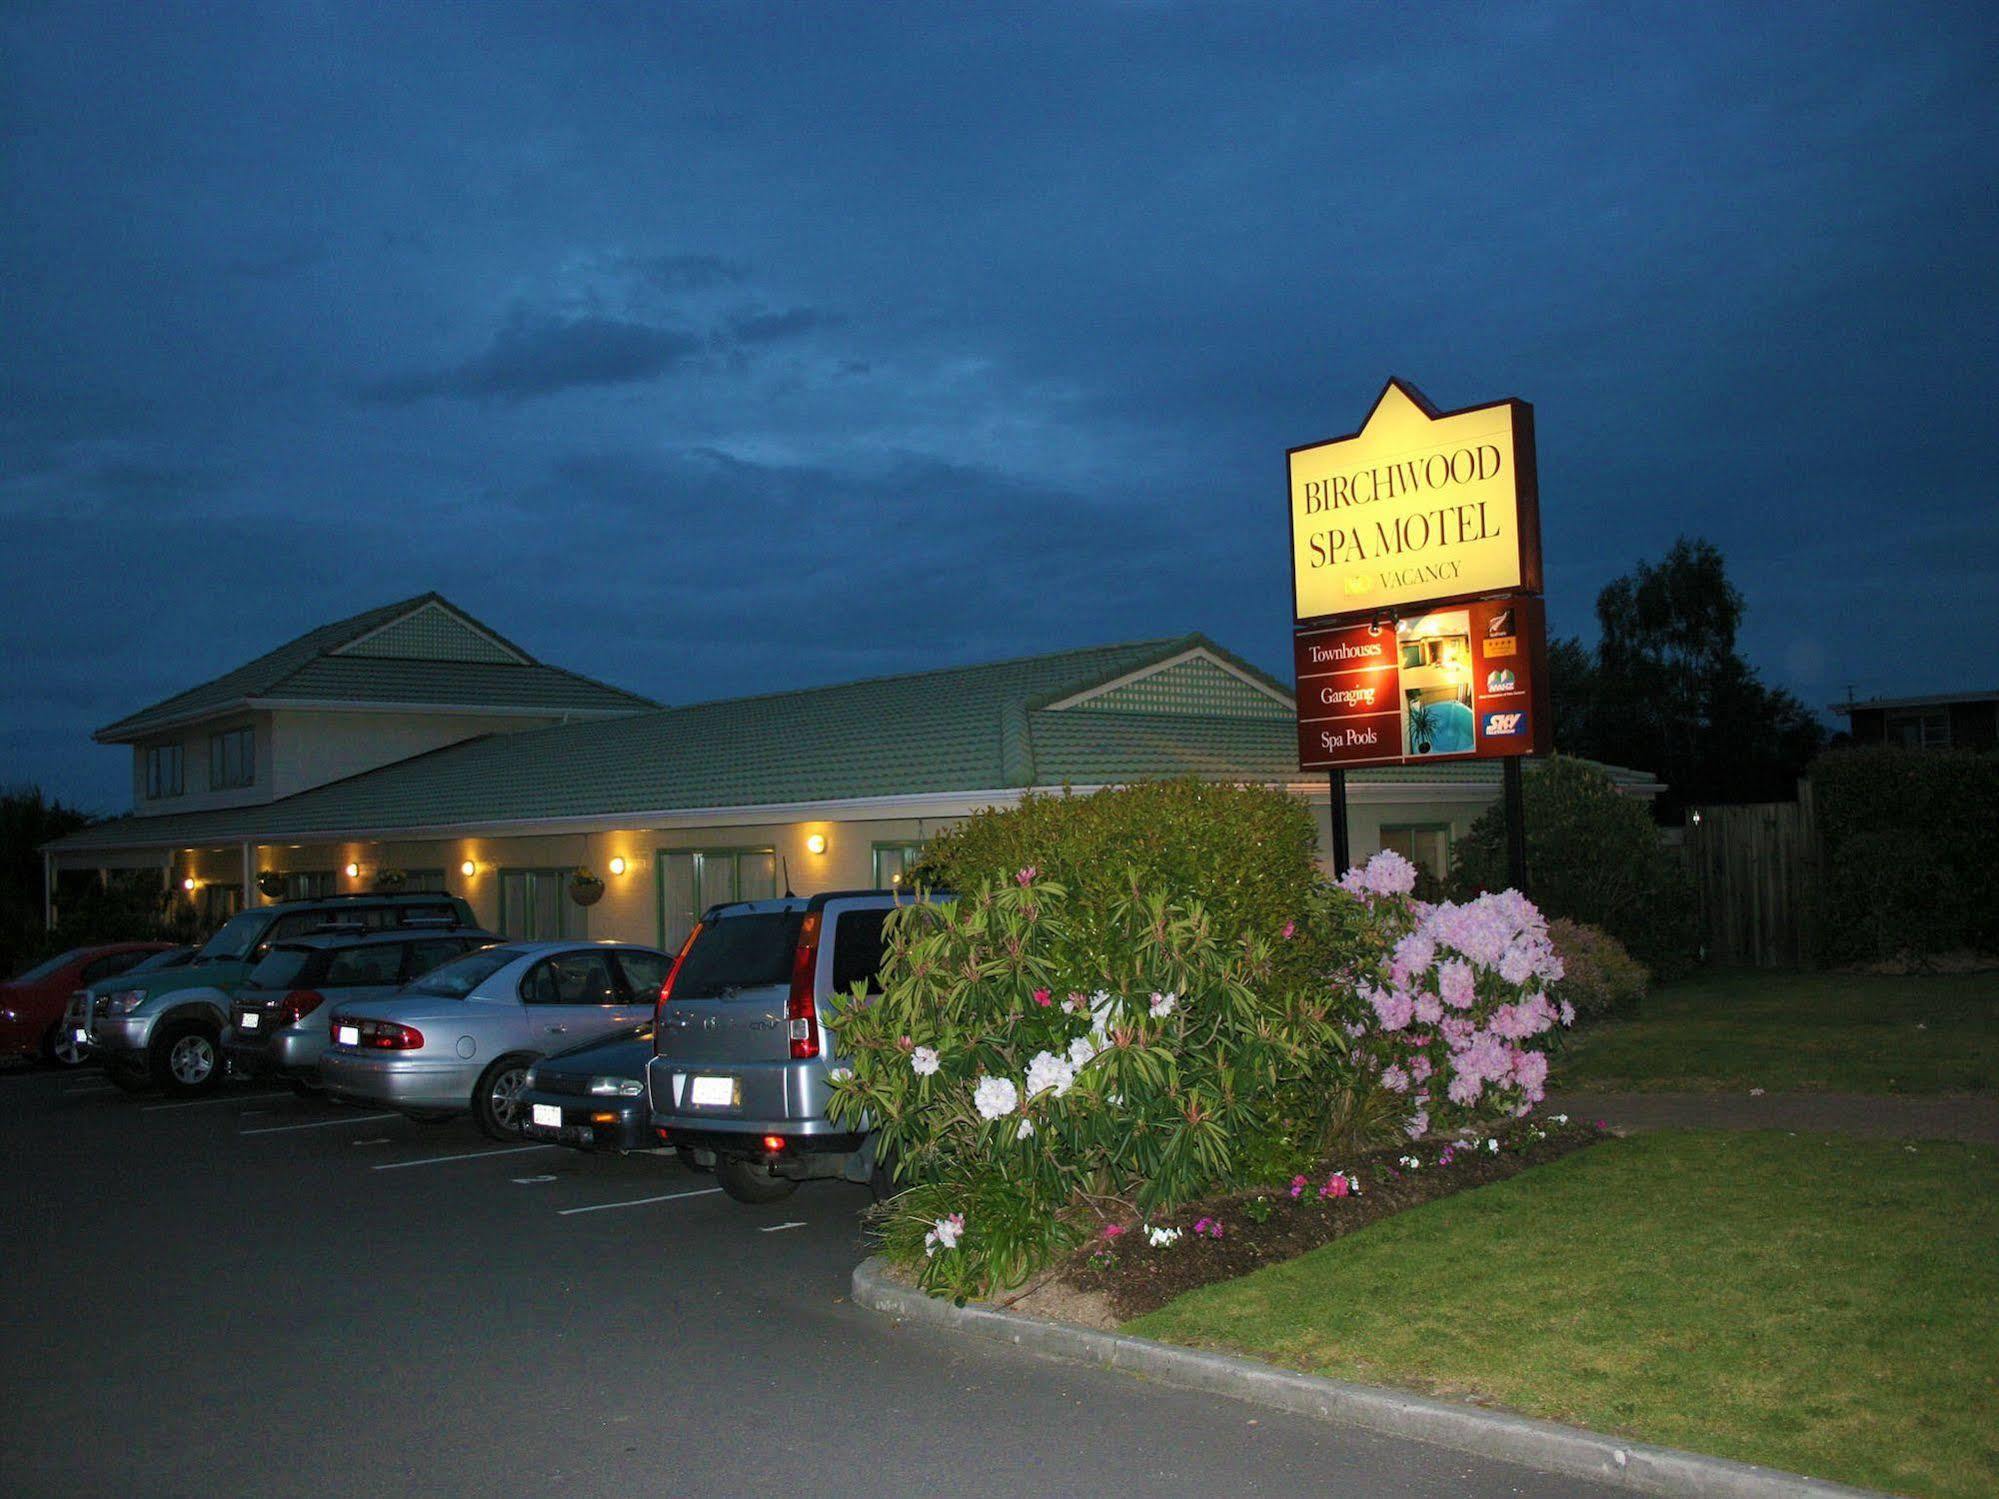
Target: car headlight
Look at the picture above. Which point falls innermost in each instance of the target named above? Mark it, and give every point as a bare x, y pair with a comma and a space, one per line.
617, 1087
125, 1001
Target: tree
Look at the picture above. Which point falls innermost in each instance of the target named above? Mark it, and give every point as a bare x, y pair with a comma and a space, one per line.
28, 819
1667, 691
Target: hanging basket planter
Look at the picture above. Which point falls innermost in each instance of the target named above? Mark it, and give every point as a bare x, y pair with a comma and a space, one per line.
389, 881
271, 884
585, 888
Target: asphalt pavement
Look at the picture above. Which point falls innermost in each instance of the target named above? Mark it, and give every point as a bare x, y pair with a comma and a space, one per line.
261, 1294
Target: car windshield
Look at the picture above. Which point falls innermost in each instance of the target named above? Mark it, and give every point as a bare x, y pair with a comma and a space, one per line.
279, 967
752, 951
459, 977
234, 939
172, 957
43, 970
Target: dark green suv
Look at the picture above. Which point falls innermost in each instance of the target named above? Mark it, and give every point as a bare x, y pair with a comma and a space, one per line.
164, 1029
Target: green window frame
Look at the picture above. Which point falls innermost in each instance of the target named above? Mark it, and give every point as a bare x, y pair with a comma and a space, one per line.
232, 759
1427, 845
891, 858
535, 906
166, 771
687, 881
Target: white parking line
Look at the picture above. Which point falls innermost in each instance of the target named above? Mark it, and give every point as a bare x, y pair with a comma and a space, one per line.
778, 1228
195, 1103
279, 1129
92, 1088
439, 1160
636, 1202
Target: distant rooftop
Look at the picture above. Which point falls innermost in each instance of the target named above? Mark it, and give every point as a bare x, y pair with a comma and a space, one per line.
423, 652
1928, 700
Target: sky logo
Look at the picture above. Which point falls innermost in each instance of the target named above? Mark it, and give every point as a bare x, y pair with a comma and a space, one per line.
1505, 724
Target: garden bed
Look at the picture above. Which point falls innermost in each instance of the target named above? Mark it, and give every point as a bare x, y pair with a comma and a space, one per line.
1221, 1238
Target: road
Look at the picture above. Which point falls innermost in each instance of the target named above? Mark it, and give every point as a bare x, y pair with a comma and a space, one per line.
258, 1294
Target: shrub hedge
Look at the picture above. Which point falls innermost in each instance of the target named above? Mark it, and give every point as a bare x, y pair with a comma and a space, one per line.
1911, 846
1598, 976
1594, 856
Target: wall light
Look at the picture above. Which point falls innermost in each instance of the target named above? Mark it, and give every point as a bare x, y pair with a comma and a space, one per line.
353, 871
617, 866
188, 884
468, 869
816, 843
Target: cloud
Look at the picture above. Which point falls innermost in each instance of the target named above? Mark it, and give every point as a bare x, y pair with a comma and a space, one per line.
768, 327
531, 358
684, 273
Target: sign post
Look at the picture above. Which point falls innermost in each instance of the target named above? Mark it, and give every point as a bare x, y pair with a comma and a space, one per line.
1418, 631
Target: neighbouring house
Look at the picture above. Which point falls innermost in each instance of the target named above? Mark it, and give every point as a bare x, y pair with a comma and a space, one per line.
1945, 720
412, 745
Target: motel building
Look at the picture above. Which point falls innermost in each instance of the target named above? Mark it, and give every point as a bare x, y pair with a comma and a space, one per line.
412, 747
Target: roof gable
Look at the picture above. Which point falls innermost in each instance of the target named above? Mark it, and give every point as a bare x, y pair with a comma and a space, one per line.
1196, 682
434, 632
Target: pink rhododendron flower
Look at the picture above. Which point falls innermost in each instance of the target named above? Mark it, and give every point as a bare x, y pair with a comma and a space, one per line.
1043, 997
1026, 876
1395, 1080
1568, 1013
1419, 1069
1455, 984
1418, 1126
1429, 1009
1393, 1007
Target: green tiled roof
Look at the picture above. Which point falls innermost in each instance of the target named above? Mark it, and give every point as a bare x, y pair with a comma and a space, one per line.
376, 657
961, 729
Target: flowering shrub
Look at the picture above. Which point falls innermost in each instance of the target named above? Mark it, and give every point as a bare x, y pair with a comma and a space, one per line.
1456, 997
1035, 1064
1598, 976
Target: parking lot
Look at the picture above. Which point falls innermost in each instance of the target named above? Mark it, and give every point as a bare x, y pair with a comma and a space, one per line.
257, 1293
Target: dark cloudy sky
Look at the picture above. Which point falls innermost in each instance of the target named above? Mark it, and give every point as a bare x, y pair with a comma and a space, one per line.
715, 349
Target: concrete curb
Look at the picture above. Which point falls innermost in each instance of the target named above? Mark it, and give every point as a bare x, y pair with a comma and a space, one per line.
1566, 1450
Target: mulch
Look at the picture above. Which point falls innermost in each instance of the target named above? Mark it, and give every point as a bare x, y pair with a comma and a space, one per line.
1137, 1278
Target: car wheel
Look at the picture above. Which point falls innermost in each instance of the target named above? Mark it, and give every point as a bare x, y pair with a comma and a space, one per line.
750, 1181
882, 1184
496, 1102
187, 1058
60, 1048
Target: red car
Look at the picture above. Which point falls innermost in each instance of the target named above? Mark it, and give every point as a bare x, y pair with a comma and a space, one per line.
31, 1006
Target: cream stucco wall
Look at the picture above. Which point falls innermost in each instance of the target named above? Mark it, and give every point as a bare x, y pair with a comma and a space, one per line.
197, 795
310, 748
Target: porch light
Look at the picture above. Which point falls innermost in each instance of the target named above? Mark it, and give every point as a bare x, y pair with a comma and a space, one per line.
816, 843
468, 869
188, 884
617, 866
353, 871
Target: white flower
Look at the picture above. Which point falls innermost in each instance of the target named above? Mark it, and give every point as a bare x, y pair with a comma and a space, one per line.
1026, 1129
1561, 1119
1117, 1100
995, 1096
1162, 1004
840, 1074
1046, 1071
1161, 1238
944, 1235
1081, 1052
1410, 1161
1492, 1147
923, 1060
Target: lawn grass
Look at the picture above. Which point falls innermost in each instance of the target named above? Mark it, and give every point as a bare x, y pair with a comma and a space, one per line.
1812, 1303
1789, 1032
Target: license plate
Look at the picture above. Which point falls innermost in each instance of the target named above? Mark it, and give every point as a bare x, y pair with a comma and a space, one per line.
712, 1092
350, 1035
248, 1020
549, 1114
82, 1034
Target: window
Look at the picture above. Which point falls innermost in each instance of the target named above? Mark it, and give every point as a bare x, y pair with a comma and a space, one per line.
645, 973
1427, 845
432, 952
424, 882
232, 758
857, 951
307, 884
535, 905
572, 978
109, 966
739, 953
1926, 729
892, 861
459, 977
219, 903
164, 775
692, 880
376, 964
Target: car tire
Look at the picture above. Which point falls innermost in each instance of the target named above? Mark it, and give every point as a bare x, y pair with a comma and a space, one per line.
61, 1049
747, 1181
496, 1106
882, 1184
687, 1158
186, 1058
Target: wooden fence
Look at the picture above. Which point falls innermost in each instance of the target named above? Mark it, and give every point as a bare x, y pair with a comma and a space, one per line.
1755, 868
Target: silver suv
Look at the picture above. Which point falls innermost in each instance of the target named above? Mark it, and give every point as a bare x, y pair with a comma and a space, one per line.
742, 1052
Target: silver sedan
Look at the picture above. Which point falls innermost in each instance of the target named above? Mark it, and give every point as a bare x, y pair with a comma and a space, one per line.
461, 1038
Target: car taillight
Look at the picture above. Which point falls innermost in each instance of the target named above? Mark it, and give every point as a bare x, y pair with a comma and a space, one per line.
800, 1010
299, 1003
680, 958
377, 1035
